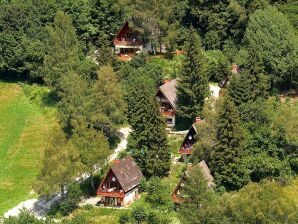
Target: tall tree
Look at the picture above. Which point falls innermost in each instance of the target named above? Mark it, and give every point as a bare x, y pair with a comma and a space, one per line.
226, 155
148, 140
106, 105
192, 87
273, 35
198, 197
93, 148
104, 54
62, 50
60, 165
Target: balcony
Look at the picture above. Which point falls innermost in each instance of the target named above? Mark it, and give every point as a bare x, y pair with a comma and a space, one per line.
110, 192
167, 113
185, 150
128, 42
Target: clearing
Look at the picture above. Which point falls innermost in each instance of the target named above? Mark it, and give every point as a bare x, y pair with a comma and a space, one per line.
26, 117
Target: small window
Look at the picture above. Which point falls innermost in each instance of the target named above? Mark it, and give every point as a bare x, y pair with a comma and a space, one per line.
169, 121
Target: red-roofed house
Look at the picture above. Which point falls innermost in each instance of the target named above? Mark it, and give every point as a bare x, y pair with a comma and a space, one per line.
120, 186
128, 42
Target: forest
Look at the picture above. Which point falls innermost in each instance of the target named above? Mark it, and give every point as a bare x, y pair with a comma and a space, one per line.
60, 53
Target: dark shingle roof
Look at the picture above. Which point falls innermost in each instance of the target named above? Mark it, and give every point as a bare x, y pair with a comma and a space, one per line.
127, 173
169, 91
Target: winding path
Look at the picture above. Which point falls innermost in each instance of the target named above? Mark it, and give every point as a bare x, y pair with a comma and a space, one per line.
40, 206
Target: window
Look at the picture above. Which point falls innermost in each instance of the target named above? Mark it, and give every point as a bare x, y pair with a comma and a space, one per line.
169, 121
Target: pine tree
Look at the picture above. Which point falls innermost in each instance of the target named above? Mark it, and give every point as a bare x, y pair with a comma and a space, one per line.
199, 197
226, 155
93, 148
60, 165
192, 86
259, 81
240, 89
63, 51
148, 141
105, 55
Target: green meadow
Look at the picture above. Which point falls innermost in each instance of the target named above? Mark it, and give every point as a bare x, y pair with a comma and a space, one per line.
26, 117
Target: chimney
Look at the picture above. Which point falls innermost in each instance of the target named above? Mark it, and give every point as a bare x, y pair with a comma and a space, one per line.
235, 69
166, 81
198, 120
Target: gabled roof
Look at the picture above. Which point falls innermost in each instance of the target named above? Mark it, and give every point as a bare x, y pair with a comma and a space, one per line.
169, 91
206, 173
122, 27
127, 173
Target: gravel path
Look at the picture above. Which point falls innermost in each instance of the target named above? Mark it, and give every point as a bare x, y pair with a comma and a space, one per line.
40, 206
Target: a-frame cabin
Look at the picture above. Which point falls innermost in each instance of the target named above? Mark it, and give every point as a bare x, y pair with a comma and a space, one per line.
120, 186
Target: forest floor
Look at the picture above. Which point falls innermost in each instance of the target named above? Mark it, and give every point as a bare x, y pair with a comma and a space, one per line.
26, 117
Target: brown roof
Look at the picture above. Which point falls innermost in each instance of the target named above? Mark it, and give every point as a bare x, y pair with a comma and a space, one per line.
169, 91
206, 173
127, 173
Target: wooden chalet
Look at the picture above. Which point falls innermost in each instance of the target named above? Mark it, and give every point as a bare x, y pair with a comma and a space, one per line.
120, 186
128, 42
177, 195
166, 96
186, 146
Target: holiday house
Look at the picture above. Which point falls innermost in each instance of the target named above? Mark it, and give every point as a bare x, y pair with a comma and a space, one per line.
128, 42
186, 147
120, 186
166, 96
178, 196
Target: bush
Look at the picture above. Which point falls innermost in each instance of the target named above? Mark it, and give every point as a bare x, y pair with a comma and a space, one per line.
124, 218
139, 214
66, 207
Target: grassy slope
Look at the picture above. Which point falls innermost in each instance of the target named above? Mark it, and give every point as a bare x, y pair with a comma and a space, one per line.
24, 126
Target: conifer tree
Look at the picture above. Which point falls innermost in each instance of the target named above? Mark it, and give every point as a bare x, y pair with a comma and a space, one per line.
198, 197
192, 86
148, 141
60, 165
63, 50
105, 55
226, 155
93, 148
259, 81
240, 88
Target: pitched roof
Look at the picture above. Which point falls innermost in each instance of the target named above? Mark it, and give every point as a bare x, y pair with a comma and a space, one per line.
206, 173
169, 91
127, 173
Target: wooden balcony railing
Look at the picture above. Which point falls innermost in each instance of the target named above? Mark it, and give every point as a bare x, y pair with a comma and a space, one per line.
110, 193
167, 113
185, 151
128, 42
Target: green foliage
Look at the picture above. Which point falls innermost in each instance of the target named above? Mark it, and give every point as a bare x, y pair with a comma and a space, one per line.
104, 54
25, 218
92, 146
198, 197
192, 87
148, 141
62, 51
60, 165
158, 193
218, 66
226, 156
274, 37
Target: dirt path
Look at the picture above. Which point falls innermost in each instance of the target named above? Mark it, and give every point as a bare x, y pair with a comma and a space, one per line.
40, 206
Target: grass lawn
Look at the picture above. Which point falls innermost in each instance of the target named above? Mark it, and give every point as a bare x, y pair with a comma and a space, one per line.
25, 121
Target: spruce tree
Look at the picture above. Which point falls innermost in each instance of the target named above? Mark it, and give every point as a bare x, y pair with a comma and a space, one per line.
60, 165
240, 88
226, 155
192, 86
148, 140
259, 81
104, 54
